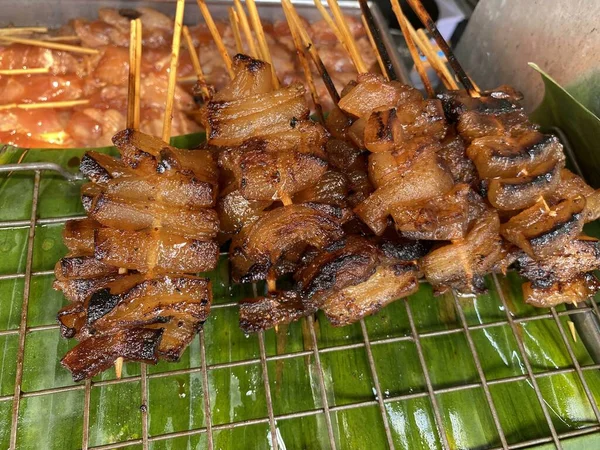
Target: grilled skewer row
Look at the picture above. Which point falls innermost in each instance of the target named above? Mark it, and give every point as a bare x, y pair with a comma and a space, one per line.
544, 206
130, 271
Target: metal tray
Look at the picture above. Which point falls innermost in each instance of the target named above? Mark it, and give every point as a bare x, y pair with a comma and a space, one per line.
426, 372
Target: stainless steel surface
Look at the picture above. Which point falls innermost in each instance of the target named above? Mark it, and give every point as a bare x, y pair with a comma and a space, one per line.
562, 37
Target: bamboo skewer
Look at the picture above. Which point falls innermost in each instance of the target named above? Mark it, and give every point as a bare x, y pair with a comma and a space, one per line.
312, 51
434, 59
374, 46
32, 71
305, 65
133, 110
235, 27
424, 16
210, 23
22, 30
44, 105
168, 119
411, 47
196, 64
375, 35
262, 40
241, 13
338, 16
329, 21
72, 38
50, 45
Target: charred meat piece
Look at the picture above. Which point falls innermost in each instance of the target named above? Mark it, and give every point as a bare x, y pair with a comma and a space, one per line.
569, 262
101, 168
423, 179
387, 284
130, 215
573, 291
96, 354
352, 261
265, 241
542, 231
235, 211
72, 267
453, 156
509, 157
572, 186
154, 251
262, 313
331, 189
78, 236
463, 264
445, 217
510, 194
78, 289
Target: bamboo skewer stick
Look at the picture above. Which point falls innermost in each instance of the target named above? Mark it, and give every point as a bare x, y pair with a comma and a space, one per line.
133, 109
138, 72
241, 13
73, 38
32, 71
168, 119
329, 21
210, 23
196, 64
375, 35
262, 40
45, 105
436, 62
374, 46
312, 51
50, 45
338, 16
235, 27
424, 16
22, 30
305, 65
411, 47
132, 80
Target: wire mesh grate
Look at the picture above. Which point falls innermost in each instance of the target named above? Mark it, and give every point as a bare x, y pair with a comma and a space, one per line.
431, 393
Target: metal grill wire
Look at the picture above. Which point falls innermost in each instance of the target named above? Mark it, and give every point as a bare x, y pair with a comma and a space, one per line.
327, 410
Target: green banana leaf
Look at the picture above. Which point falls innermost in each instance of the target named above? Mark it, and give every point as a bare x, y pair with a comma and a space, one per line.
175, 404
561, 109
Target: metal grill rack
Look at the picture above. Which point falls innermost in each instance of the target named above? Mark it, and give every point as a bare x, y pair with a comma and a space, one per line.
327, 410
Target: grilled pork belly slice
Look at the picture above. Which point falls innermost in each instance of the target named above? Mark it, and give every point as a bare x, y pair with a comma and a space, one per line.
252, 77
331, 189
76, 290
569, 262
453, 156
510, 194
101, 168
263, 243
445, 217
98, 353
542, 231
387, 284
509, 157
231, 122
275, 308
173, 188
71, 267
422, 180
574, 291
352, 162
372, 92
159, 251
235, 211
78, 236
463, 264
114, 212
572, 186
351, 261
268, 176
